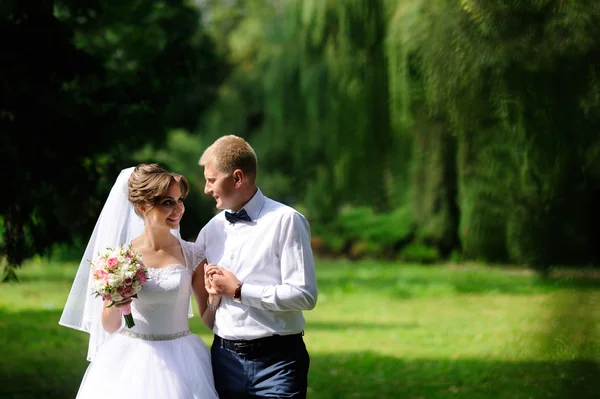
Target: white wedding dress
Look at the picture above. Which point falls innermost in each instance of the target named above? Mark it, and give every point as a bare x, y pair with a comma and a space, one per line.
158, 357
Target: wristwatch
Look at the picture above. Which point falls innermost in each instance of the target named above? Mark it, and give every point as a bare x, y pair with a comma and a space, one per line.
237, 295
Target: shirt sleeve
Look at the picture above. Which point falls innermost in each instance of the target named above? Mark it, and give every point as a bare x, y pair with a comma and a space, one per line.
298, 288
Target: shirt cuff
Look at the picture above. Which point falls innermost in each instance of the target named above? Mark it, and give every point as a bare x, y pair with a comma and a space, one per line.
252, 295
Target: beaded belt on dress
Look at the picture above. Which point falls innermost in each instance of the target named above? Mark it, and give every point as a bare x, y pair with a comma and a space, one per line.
155, 337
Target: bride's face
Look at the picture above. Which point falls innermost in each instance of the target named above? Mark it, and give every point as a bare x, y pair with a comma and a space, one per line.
168, 211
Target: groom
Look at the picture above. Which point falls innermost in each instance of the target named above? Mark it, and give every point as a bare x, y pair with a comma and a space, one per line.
267, 278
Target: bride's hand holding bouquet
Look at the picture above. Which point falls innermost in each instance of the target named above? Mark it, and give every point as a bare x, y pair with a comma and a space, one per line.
118, 275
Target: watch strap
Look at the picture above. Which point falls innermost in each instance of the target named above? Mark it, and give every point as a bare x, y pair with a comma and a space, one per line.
237, 295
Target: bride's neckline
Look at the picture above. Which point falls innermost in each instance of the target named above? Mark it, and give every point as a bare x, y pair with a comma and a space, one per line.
168, 265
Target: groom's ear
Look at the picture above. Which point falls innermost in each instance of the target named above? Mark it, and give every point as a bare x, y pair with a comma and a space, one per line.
238, 176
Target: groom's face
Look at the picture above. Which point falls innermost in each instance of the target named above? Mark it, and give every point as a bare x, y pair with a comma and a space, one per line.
220, 186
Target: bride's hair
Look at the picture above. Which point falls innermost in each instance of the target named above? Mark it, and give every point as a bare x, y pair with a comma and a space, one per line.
149, 183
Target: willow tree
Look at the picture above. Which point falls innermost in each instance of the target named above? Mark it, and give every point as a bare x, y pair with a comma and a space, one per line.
426, 138
517, 82
311, 84
480, 115
326, 90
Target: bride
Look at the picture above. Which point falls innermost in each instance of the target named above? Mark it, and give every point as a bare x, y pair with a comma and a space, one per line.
158, 357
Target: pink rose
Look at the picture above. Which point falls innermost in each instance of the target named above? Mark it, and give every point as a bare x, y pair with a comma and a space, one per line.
141, 276
112, 263
101, 275
128, 281
106, 297
129, 255
129, 291
121, 290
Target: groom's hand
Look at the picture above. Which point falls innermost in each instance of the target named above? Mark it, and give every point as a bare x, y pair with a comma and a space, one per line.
225, 283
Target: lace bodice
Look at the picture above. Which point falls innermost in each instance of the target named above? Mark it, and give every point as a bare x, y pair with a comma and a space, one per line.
163, 303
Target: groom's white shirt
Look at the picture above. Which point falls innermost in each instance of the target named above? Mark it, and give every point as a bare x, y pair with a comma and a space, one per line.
272, 256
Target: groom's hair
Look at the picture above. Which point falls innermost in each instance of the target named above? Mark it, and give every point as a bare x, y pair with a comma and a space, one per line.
229, 153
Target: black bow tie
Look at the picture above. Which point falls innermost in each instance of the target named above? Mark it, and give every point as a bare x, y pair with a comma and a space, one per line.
234, 217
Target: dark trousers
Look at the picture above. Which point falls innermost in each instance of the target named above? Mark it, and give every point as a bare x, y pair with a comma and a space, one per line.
273, 367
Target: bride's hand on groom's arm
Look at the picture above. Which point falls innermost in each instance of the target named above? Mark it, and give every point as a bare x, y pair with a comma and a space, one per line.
223, 283
206, 298
210, 270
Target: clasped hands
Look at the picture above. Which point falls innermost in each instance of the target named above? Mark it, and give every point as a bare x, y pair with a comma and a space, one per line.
219, 281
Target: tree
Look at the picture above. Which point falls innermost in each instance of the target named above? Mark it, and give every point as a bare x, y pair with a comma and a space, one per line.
85, 84
514, 80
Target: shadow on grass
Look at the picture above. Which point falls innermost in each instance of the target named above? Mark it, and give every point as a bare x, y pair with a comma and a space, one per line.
38, 357
405, 281
368, 375
573, 330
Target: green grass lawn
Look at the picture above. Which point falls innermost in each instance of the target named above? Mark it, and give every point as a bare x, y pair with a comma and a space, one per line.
380, 330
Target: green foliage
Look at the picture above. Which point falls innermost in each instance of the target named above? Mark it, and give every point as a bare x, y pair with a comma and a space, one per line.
478, 116
478, 119
516, 94
105, 76
64, 253
434, 184
311, 65
419, 253
386, 228
359, 232
483, 206
328, 66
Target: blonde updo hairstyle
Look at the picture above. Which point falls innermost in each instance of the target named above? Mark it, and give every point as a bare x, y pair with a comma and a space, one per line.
149, 183
229, 153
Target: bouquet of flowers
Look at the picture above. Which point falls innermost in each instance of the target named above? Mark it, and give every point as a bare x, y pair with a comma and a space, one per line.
119, 274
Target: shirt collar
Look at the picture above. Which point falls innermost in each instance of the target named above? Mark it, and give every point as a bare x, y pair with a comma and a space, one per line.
255, 205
